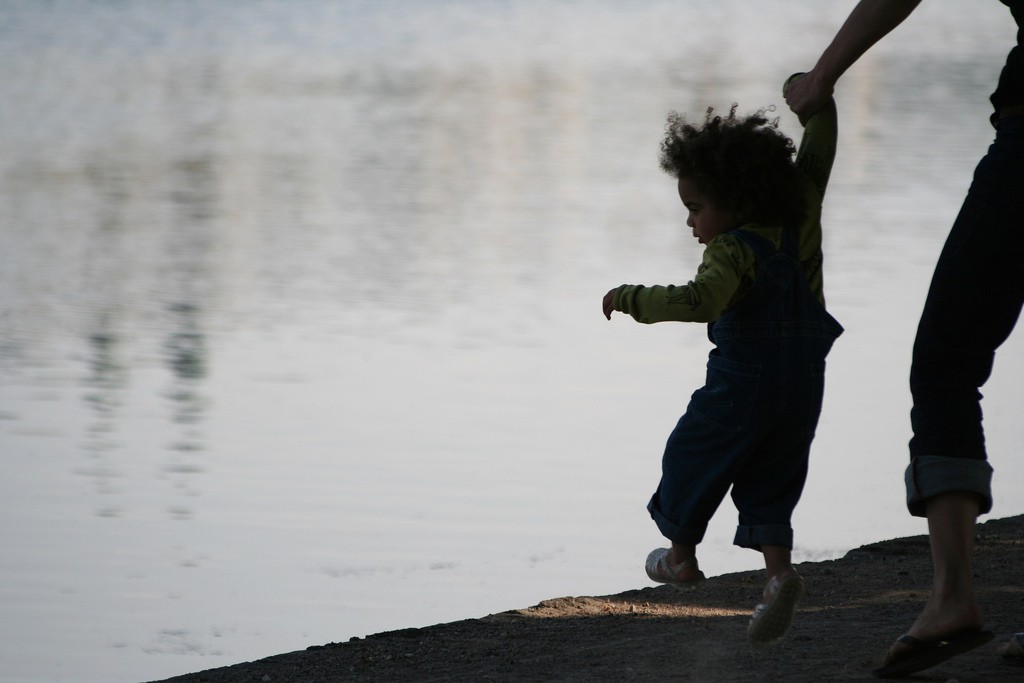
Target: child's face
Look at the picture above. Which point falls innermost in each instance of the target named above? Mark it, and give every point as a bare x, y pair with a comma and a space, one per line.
707, 220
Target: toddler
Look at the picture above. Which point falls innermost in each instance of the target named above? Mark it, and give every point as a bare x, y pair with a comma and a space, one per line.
757, 211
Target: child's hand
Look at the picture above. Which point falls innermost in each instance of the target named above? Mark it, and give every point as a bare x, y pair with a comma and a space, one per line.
606, 304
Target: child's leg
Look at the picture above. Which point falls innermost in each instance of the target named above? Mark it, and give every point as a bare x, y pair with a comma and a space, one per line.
777, 562
710, 443
697, 470
765, 512
768, 488
685, 555
766, 495
682, 552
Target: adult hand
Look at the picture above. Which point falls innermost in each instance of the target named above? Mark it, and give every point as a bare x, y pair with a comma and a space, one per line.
807, 94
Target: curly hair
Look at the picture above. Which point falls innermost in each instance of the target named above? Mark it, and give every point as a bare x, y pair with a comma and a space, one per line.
742, 164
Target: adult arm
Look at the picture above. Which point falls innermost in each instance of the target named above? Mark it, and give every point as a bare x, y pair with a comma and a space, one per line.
869, 22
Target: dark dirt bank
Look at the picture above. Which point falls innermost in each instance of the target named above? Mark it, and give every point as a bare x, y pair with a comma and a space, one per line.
854, 608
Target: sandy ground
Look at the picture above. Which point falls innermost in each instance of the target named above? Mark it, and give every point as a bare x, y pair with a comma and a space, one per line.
854, 608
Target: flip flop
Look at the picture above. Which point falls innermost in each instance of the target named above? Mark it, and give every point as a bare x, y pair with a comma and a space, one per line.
924, 654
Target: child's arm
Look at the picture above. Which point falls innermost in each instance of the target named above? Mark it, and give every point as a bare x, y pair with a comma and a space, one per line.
814, 159
817, 149
701, 300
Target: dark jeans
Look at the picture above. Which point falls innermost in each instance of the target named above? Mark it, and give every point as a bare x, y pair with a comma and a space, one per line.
751, 426
972, 307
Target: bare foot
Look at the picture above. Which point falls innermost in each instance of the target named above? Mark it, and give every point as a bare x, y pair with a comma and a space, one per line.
942, 616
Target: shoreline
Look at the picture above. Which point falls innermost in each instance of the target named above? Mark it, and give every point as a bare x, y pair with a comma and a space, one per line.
854, 608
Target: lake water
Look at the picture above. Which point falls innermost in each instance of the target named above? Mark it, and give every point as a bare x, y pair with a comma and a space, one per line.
300, 329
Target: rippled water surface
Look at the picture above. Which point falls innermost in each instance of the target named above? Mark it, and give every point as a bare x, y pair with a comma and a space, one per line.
300, 330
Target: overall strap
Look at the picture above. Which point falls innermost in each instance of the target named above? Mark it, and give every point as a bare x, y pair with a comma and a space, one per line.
763, 248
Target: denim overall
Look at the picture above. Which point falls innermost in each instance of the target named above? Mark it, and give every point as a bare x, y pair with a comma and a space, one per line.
751, 425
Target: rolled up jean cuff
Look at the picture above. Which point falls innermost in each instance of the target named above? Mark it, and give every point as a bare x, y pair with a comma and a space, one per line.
930, 475
673, 531
764, 534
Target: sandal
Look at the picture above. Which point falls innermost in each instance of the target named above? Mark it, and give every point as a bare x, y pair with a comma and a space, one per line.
1014, 647
772, 620
660, 569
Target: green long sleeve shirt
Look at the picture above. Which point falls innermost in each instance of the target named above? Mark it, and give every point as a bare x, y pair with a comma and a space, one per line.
729, 265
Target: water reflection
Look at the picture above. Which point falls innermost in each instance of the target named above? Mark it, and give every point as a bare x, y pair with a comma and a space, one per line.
188, 286
105, 381
186, 359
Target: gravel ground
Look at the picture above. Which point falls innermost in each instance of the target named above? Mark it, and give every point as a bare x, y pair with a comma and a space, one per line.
855, 606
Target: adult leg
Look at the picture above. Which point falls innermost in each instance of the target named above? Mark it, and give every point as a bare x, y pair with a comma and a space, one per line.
973, 304
951, 622
952, 605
